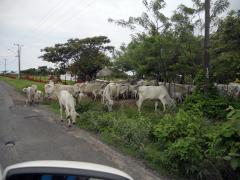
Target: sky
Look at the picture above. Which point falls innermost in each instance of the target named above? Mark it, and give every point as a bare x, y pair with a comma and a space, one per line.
36, 24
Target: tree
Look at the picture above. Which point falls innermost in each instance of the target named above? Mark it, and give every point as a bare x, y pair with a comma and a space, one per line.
30, 71
225, 49
87, 55
151, 22
43, 70
188, 45
60, 54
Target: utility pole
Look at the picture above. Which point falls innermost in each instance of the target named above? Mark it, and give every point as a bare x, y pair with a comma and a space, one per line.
19, 59
5, 65
206, 46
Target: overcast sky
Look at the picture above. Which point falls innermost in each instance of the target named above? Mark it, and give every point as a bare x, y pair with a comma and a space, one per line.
39, 23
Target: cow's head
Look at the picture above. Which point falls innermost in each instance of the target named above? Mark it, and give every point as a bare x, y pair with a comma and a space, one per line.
49, 89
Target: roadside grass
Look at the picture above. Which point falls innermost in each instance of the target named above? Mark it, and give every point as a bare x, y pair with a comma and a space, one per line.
19, 84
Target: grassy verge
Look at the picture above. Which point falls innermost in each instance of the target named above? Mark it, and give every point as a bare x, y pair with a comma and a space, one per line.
21, 83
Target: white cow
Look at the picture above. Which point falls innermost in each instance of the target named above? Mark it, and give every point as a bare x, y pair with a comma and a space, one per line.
123, 90
110, 92
38, 97
154, 93
89, 87
67, 102
231, 89
133, 90
30, 91
49, 89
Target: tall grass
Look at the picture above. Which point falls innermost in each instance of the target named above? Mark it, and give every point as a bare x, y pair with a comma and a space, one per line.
19, 84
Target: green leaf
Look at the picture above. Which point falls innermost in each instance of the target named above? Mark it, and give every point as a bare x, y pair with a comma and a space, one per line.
235, 163
227, 158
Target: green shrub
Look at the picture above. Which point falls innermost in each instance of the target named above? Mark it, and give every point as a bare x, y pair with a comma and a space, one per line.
185, 155
225, 143
181, 140
183, 124
212, 107
133, 132
130, 131
97, 121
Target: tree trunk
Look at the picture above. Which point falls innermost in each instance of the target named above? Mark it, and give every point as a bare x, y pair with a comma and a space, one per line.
206, 46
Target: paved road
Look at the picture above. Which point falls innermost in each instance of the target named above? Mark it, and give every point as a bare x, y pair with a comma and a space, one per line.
38, 135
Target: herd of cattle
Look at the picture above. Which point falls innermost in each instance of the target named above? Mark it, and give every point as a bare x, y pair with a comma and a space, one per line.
109, 92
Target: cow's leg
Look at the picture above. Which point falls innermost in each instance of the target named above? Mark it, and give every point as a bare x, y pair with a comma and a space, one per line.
156, 105
164, 106
61, 113
95, 95
68, 116
61, 109
139, 104
163, 103
67, 112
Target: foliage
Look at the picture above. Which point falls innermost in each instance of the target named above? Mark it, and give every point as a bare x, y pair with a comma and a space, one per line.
225, 49
181, 141
83, 57
160, 56
212, 107
134, 132
130, 131
19, 84
41, 70
152, 21
225, 144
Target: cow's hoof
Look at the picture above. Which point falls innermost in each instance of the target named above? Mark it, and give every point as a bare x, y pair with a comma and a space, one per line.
61, 120
69, 125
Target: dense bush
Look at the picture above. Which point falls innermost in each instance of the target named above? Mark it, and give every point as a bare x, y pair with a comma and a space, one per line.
213, 107
226, 140
188, 143
181, 139
131, 131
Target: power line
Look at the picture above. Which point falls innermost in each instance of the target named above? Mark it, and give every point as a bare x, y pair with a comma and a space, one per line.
58, 17
50, 13
66, 15
76, 12
70, 15
11, 62
6, 56
67, 18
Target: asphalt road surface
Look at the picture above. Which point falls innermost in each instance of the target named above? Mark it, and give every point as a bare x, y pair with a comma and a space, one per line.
34, 133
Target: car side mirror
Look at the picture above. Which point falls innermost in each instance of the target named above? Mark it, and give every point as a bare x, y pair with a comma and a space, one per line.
62, 170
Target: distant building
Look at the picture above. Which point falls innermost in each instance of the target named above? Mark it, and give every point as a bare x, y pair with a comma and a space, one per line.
68, 77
